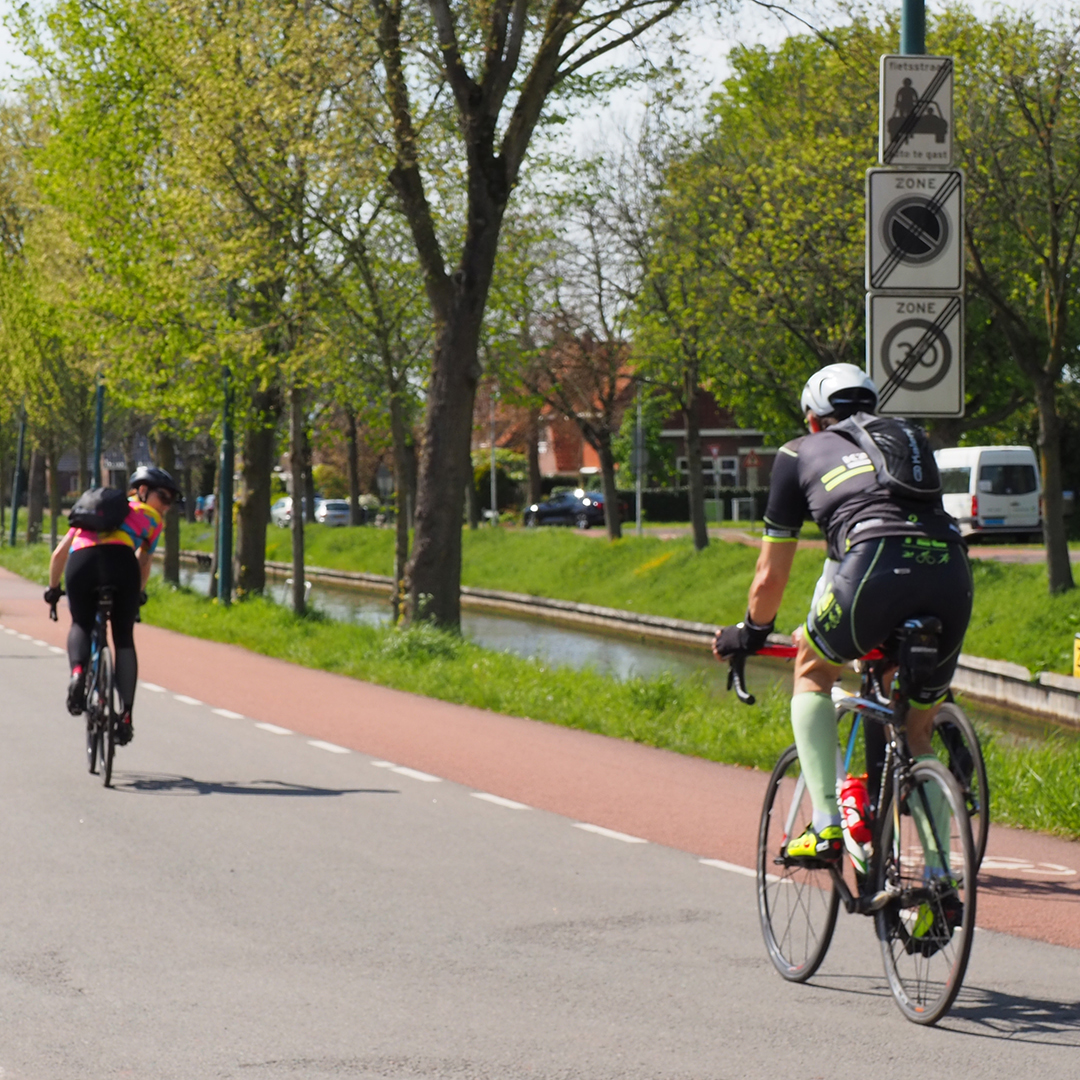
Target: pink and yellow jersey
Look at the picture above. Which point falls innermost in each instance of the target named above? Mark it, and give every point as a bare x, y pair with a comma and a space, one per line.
142, 526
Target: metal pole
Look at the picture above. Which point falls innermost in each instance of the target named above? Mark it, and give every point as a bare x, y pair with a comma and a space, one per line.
913, 27
16, 492
639, 455
99, 418
494, 491
225, 504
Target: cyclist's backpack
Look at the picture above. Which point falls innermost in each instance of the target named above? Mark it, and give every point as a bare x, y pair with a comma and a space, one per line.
100, 509
899, 451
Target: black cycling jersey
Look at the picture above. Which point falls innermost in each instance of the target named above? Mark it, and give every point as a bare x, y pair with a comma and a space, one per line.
828, 477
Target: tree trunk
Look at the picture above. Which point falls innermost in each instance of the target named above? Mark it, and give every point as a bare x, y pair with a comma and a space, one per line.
434, 571
355, 517
309, 480
1058, 567
472, 503
695, 482
297, 433
130, 464
166, 455
54, 494
532, 450
612, 509
84, 457
35, 502
399, 434
189, 495
256, 469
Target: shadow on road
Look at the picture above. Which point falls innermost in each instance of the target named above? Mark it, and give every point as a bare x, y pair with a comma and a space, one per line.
1000, 885
990, 1014
165, 784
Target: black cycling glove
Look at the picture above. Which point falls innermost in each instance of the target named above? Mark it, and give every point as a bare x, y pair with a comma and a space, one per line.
744, 637
142, 598
53, 594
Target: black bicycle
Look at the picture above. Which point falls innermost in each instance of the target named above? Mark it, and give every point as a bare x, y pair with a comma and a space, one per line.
102, 715
911, 850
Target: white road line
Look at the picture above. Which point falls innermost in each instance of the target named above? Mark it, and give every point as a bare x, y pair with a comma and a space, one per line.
185, 700
8, 630
416, 774
729, 866
24, 637
57, 649
498, 800
153, 687
43, 644
329, 746
228, 714
384, 765
611, 834
272, 728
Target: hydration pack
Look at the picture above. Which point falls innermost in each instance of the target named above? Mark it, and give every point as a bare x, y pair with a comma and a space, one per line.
900, 453
101, 509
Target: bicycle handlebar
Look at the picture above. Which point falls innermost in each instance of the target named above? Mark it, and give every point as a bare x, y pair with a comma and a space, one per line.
52, 612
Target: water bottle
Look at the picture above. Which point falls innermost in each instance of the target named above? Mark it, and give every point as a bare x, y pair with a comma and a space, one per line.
855, 809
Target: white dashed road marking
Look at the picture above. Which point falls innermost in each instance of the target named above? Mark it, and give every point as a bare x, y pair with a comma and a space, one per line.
498, 800
273, 728
153, 687
611, 834
729, 866
55, 649
228, 714
24, 637
185, 700
329, 746
43, 644
404, 770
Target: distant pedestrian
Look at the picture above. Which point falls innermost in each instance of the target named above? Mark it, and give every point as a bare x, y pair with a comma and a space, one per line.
208, 508
200, 507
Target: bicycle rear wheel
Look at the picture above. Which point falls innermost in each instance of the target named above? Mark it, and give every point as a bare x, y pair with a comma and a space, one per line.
107, 744
928, 862
797, 905
93, 717
957, 747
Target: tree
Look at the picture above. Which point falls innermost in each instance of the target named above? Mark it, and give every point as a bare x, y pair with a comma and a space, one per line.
502, 63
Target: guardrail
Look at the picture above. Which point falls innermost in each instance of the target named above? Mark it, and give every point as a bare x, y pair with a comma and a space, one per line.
996, 681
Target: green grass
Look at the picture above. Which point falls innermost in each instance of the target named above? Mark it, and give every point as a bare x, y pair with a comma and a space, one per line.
1034, 786
1014, 618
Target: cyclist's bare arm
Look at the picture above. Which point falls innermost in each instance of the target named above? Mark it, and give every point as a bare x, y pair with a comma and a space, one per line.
145, 557
59, 559
770, 580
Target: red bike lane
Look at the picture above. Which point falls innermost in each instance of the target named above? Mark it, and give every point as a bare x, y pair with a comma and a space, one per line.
1029, 885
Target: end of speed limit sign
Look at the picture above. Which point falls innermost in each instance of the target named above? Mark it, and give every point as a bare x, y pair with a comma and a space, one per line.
914, 348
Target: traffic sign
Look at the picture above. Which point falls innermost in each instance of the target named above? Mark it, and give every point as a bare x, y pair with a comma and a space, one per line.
914, 229
915, 347
751, 460
916, 113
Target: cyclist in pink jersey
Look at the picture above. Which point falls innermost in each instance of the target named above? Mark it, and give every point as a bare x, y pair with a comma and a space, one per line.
119, 559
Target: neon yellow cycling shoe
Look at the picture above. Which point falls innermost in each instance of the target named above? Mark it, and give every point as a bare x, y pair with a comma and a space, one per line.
825, 846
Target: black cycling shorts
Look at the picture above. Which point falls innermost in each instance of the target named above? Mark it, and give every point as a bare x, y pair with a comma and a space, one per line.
879, 584
105, 564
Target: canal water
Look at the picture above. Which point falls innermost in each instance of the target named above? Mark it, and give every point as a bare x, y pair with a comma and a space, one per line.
608, 653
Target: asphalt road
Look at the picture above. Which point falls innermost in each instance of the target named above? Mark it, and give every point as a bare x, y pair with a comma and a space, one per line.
254, 904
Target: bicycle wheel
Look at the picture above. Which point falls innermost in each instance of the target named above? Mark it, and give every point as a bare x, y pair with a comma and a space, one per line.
93, 719
107, 743
797, 905
928, 862
957, 747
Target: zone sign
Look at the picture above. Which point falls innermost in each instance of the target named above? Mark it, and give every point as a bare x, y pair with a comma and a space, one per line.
914, 229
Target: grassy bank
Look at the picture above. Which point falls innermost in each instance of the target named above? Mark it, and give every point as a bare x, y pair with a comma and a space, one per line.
1032, 786
1014, 619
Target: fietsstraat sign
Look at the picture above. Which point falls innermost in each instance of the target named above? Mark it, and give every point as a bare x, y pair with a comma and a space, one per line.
915, 347
916, 113
914, 229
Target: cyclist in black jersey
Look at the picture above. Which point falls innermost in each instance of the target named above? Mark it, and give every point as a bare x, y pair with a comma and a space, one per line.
891, 556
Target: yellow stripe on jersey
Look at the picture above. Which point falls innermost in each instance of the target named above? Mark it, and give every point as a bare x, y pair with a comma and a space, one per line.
847, 476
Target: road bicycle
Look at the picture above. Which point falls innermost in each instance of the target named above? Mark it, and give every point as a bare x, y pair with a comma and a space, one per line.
102, 715
911, 851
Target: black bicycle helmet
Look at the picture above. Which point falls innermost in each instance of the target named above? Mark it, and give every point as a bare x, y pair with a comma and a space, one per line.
153, 478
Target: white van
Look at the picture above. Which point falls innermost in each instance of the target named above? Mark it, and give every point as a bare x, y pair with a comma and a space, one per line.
992, 489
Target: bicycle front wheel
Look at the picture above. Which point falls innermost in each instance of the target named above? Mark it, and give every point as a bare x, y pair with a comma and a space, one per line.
957, 746
797, 905
927, 862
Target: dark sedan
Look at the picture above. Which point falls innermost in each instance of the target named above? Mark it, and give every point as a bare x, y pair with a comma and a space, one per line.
581, 508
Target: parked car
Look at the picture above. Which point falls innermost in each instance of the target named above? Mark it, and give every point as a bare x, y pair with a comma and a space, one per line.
332, 512
992, 489
281, 512
570, 507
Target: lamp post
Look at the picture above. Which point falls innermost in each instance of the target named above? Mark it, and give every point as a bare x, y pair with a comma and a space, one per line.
225, 502
494, 489
99, 423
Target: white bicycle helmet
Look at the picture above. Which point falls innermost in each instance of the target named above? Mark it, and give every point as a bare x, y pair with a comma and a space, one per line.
839, 389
